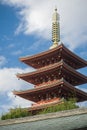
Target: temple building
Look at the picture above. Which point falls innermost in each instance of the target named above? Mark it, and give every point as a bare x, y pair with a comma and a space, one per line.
56, 75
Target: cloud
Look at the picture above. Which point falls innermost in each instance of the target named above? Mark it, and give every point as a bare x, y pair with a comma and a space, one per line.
35, 18
82, 104
18, 52
8, 83
36, 45
83, 89
2, 60
84, 54
18, 101
10, 46
14, 102
5, 37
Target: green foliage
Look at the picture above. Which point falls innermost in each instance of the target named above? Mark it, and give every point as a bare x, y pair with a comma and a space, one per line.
19, 112
66, 105
16, 113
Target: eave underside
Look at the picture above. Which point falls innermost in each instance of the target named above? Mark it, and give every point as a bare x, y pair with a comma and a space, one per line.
59, 70
40, 107
61, 85
60, 51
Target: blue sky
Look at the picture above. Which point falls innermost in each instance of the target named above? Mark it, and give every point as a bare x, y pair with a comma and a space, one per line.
25, 29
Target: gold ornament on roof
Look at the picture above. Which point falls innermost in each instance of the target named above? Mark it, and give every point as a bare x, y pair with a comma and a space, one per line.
55, 29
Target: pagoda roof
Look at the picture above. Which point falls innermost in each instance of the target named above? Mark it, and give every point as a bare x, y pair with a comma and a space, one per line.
42, 106
62, 83
66, 53
54, 68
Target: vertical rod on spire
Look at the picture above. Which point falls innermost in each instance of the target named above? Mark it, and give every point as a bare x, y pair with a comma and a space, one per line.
55, 29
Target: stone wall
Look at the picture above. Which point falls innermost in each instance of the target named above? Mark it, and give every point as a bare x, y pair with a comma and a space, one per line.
64, 120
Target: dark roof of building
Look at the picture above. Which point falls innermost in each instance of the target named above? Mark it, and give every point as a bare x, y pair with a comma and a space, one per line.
37, 74
32, 93
66, 53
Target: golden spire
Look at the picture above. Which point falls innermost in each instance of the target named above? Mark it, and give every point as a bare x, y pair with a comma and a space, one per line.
55, 29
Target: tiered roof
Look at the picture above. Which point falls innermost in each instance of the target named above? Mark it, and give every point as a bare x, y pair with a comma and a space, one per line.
62, 70
32, 94
56, 75
60, 52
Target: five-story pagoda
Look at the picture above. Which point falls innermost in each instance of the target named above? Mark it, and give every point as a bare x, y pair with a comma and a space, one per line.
56, 74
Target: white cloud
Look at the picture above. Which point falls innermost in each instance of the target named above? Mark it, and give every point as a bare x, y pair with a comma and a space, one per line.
2, 60
82, 104
82, 88
36, 18
84, 54
14, 102
35, 45
5, 37
8, 83
18, 52
10, 45
18, 101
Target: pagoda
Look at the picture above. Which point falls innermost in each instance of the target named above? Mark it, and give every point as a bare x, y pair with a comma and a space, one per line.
55, 77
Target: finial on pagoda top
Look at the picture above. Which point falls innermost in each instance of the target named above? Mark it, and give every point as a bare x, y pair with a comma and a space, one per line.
55, 8
55, 29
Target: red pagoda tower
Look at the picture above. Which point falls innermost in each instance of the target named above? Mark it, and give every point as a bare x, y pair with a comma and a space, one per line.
55, 76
